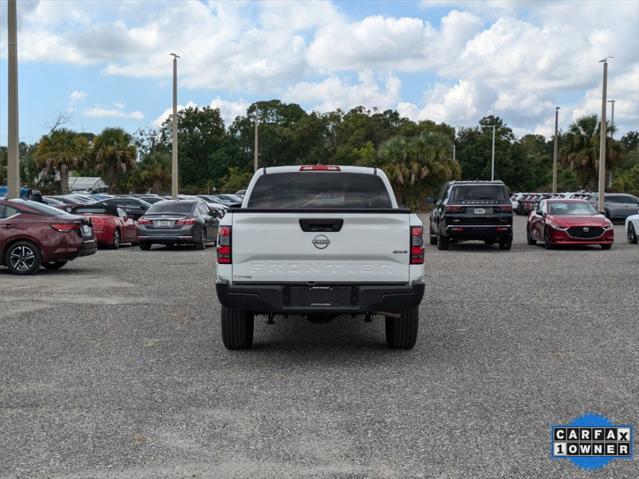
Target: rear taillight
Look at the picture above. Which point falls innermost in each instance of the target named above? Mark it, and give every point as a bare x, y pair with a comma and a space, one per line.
454, 208
224, 246
504, 208
65, 227
144, 221
320, 168
186, 221
416, 245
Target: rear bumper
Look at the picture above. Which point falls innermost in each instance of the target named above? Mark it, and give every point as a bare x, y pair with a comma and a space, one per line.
88, 248
282, 300
174, 235
470, 232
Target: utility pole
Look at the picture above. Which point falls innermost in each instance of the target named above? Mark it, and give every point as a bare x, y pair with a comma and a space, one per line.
612, 133
13, 159
492, 163
454, 152
555, 152
256, 146
602, 140
174, 127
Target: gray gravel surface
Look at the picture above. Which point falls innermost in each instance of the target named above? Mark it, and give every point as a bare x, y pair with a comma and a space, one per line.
114, 367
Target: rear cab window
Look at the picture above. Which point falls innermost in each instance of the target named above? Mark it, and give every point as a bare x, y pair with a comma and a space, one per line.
312, 190
171, 207
479, 193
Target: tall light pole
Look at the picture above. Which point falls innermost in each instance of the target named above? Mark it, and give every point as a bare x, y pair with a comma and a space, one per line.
255, 147
174, 134
612, 133
492, 161
454, 152
602, 139
13, 161
555, 152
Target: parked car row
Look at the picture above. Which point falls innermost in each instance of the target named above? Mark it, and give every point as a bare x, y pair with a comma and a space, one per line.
617, 206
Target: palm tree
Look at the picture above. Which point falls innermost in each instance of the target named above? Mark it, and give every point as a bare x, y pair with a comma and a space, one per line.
114, 153
580, 150
421, 160
155, 171
62, 150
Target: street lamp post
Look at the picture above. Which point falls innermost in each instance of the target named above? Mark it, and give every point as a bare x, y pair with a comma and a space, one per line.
13, 161
555, 152
256, 147
612, 133
602, 140
492, 162
174, 134
454, 152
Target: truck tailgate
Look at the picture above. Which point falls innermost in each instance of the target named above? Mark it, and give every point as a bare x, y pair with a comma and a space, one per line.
337, 247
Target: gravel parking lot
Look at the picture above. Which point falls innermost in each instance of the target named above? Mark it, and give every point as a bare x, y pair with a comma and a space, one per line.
114, 367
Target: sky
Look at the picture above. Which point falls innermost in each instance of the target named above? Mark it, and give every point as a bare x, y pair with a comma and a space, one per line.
106, 63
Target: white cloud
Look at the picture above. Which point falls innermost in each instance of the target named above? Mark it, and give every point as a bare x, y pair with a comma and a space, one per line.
157, 123
229, 110
116, 111
77, 96
334, 92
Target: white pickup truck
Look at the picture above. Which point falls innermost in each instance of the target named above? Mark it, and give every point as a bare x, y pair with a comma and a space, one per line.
320, 241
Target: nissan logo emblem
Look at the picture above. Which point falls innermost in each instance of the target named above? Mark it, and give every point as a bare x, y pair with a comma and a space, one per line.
586, 229
321, 241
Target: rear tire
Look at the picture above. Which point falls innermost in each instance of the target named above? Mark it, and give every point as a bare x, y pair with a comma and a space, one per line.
505, 245
442, 242
54, 265
23, 257
145, 245
632, 234
237, 328
200, 237
401, 333
432, 237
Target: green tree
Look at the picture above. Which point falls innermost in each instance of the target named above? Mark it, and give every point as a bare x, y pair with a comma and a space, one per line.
152, 173
114, 154
62, 151
417, 165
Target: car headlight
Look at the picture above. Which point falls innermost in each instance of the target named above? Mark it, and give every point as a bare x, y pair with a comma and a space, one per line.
556, 227
608, 226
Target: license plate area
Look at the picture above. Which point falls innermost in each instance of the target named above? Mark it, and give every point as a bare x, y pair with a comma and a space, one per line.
163, 223
86, 231
319, 296
483, 211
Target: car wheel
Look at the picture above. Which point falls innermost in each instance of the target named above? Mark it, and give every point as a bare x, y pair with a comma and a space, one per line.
547, 242
145, 245
606, 246
237, 328
23, 257
54, 265
200, 237
442, 242
632, 234
505, 244
401, 333
432, 237
116, 239
531, 241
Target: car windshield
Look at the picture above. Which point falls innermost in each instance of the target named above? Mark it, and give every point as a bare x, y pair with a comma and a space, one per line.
319, 190
479, 193
171, 207
42, 208
571, 208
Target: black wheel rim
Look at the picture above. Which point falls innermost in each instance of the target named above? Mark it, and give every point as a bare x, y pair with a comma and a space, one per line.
22, 258
116, 239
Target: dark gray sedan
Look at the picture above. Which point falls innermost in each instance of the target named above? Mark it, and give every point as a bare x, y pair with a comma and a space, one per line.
178, 222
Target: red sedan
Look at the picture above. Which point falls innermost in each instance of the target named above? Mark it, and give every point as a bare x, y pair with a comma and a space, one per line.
569, 222
34, 235
111, 225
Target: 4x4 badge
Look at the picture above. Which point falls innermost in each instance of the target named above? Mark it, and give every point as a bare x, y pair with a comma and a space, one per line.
321, 241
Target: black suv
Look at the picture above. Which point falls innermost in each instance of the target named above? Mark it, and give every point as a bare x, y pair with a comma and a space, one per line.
472, 210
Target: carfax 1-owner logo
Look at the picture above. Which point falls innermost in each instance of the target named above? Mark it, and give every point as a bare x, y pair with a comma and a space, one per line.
591, 441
